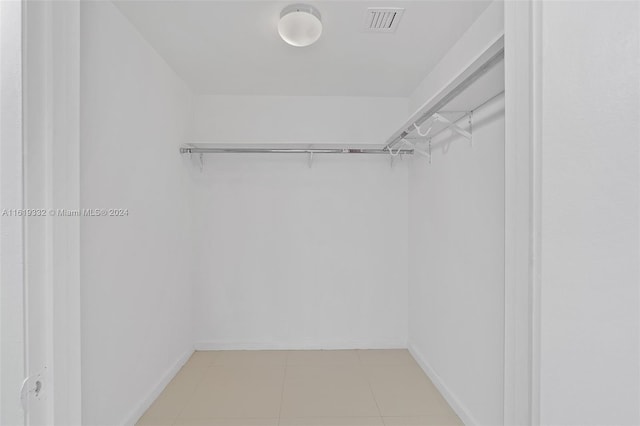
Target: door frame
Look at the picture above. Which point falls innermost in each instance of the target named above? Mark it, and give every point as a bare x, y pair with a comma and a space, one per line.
12, 326
523, 91
51, 114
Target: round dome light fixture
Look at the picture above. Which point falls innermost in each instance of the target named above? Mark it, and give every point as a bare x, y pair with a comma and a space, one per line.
300, 25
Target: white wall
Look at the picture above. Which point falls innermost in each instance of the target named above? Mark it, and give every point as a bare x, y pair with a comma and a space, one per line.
292, 257
590, 188
135, 270
456, 242
338, 119
456, 266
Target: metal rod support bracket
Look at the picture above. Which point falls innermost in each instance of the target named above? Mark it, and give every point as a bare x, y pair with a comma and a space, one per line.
453, 126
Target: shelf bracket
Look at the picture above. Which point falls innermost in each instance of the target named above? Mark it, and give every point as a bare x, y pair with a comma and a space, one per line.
453, 126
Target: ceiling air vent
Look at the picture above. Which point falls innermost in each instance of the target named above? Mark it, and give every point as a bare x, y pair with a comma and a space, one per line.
382, 19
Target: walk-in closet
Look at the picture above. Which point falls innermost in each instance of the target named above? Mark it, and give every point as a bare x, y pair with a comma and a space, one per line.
324, 213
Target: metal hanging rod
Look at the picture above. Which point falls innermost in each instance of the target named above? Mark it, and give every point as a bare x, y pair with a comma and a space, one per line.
477, 107
479, 67
463, 114
194, 149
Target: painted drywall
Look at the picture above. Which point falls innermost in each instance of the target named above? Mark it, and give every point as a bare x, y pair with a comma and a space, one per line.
262, 119
456, 239
589, 224
297, 257
135, 269
456, 265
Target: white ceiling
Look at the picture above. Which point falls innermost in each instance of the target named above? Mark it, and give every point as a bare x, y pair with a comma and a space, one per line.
232, 47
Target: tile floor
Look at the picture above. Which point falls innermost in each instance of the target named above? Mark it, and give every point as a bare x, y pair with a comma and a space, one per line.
300, 388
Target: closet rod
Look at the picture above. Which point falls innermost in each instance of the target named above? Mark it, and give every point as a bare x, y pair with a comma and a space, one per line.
482, 64
229, 150
465, 113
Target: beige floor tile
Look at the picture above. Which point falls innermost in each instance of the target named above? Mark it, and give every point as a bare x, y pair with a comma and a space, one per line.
227, 375
330, 390
385, 356
436, 419
250, 358
227, 422
332, 421
202, 358
176, 394
232, 391
403, 390
165, 407
322, 357
155, 421
305, 388
185, 380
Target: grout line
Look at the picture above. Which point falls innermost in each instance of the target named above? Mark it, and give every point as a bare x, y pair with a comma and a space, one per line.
284, 379
191, 394
364, 370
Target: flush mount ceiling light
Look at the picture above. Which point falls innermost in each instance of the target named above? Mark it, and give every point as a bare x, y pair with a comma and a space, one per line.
300, 25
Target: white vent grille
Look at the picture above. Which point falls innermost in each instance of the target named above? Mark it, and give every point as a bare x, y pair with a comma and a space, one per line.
382, 19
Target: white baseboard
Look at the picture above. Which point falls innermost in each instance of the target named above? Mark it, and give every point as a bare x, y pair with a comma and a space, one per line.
146, 402
224, 346
448, 395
